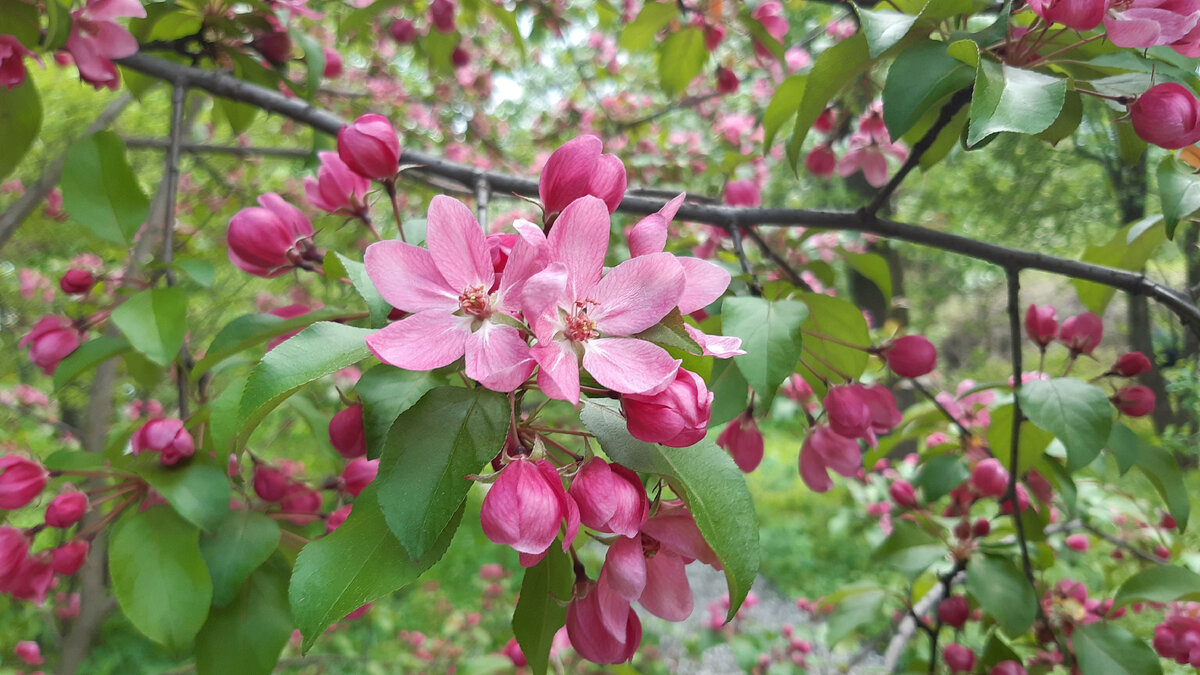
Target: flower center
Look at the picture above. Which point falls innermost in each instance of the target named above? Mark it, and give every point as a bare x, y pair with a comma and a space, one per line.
580, 326
475, 302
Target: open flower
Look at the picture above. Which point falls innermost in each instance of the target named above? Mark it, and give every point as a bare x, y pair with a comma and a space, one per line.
96, 39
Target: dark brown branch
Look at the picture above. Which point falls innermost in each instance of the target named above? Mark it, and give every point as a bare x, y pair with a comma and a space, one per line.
206, 148
783, 265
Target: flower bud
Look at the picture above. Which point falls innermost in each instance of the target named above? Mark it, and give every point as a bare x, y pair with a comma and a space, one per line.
954, 611
76, 282
576, 169
525, 507
847, 411
1077, 542
1131, 364
958, 658
301, 503
1080, 15
1008, 667
21, 481
403, 31
1167, 115
346, 432
66, 509
990, 478
1041, 324
269, 239
29, 652
441, 14
825, 449
713, 35
333, 64
911, 356
166, 436
825, 121
981, 527
742, 193
370, 147
339, 516
903, 494
610, 498
677, 416
1082, 333
727, 80
12, 62
32, 580
744, 442
270, 484
513, 651
68, 558
337, 189
275, 46
821, 161
460, 57
14, 548
1134, 401
50, 341
358, 474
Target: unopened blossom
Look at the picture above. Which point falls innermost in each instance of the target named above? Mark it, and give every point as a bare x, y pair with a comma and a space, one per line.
1077, 542
370, 147
610, 498
823, 450
301, 503
270, 239
990, 478
333, 63
52, 339
32, 580
275, 45
96, 39
14, 548
68, 558
21, 481
743, 441
902, 492
770, 15
66, 509
402, 31
1082, 333
270, 484
29, 652
346, 432
525, 507
577, 169
847, 411
358, 474
1080, 15
1041, 324
911, 356
820, 161
954, 611
1167, 115
166, 436
76, 282
676, 416
1134, 401
447, 290
727, 80
1131, 364
742, 193
337, 189
12, 61
958, 658
589, 634
441, 14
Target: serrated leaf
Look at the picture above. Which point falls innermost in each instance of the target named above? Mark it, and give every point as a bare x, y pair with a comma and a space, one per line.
541, 607
239, 544
1012, 99
1163, 584
730, 391
99, 188
909, 549
246, 636
357, 273
1077, 413
88, 355
833, 69
385, 392
922, 76
252, 329
1107, 649
1003, 592
21, 119
884, 28
154, 322
841, 321
770, 333
196, 491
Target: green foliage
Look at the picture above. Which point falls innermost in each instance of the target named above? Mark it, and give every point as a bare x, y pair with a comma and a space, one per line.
1079, 414
1003, 592
240, 543
154, 322
1164, 584
1106, 649
198, 491
246, 636
385, 392
1179, 192
770, 333
921, 76
1012, 99
20, 117
541, 609
100, 190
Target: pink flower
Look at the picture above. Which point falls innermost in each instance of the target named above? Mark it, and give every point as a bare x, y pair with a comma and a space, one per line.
32, 580
1082, 333
275, 45
12, 61
447, 290
270, 484
720, 346
96, 39
589, 632
29, 652
1008, 667
610, 498
911, 356
513, 651
301, 503
339, 516
958, 658
21, 481
744, 442
370, 147
797, 59
402, 31
1167, 115
268, 240
525, 507
727, 80
1147, 23
346, 432
821, 161
441, 13
1131, 364
358, 474
703, 281
742, 193
576, 169
824, 449
990, 478
576, 309
847, 411
166, 436
954, 611
1135, 401
66, 509
868, 156
1077, 542
333, 63
76, 282
676, 416
337, 189
1081, 15
770, 15
14, 548
50, 341
1041, 324
903, 494
68, 558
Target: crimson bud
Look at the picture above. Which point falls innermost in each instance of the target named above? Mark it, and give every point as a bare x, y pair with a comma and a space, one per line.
370, 147
1131, 364
166, 436
1167, 115
358, 474
911, 356
66, 509
346, 432
1041, 324
954, 611
68, 558
76, 282
677, 416
1135, 401
990, 478
1082, 333
21, 481
744, 442
902, 493
958, 658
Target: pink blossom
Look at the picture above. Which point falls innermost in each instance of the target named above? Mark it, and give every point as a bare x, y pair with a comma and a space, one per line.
990, 478
676, 416
869, 157
824, 449
270, 484
821, 161
576, 169
1082, 333
14, 548
1147, 23
1081, 15
166, 436
269, 239
797, 59
358, 474
333, 63
703, 281
337, 189
1134, 401
68, 558
370, 147
1167, 115
21, 481
589, 632
526, 506
96, 39
744, 442
29, 652
1041, 324
346, 432
742, 193
12, 61
1131, 364
402, 31
610, 498
50, 341
32, 282
911, 356
66, 509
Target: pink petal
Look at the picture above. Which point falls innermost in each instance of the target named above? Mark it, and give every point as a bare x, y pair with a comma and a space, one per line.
114, 41
667, 595
704, 282
648, 236
539, 297
719, 346
528, 257
498, 357
1128, 31
567, 172
625, 567
107, 10
457, 245
669, 209
612, 608
558, 370
608, 181
629, 365
406, 276
424, 341
579, 240
593, 490
874, 168
677, 531
636, 294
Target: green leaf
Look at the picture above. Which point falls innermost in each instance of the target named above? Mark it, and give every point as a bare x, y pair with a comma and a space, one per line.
542, 607
21, 119
1124, 445
1031, 445
20, 20
940, 475
198, 492
1107, 649
843, 322
770, 333
1068, 120
1012, 99
1129, 145
357, 563
252, 329
58, 28
782, 107
246, 636
996, 650
357, 273
707, 479
730, 391
1129, 249
431, 449
920, 78
100, 190
318, 350
385, 392
314, 61
1164, 472
241, 542
1003, 592
159, 577
1163, 584
201, 271
909, 549
225, 419
89, 355
639, 34
875, 268
834, 69
1078, 413
681, 57
855, 607
1178, 190
884, 28
154, 322
670, 333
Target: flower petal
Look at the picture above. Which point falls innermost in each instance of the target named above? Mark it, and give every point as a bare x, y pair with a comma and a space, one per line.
720, 346
529, 255
423, 341
629, 365
457, 245
648, 236
558, 370
579, 240
608, 181
636, 294
625, 567
667, 595
704, 282
567, 172
497, 357
407, 277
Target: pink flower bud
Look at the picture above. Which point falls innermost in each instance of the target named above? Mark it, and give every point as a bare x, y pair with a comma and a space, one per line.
491, 571
275, 46
588, 621
21, 481
358, 474
911, 356
1131, 364
742, 193
270, 484
825, 121
1167, 522
677, 416
460, 57
744, 442
301, 503
1134, 401
32, 580
576, 169
12, 62
847, 411
333, 63
1008, 667
958, 658
954, 611
903, 494
76, 282
1167, 115
66, 509
166, 436
29, 652
727, 81
1041, 324
990, 478
337, 189
1077, 542
370, 147
1082, 333
981, 527
269, 239
610, 498
68, 558
441, 13
770, 15
1162, 552
821, 161
513, 651
346, 432
1081, 15
14, 548
403, 31
339, 516
50, 341
713, 35
525, 507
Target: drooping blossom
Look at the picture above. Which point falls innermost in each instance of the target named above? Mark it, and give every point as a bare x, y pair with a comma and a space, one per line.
1082, 333
1131, 364
1167, 115
447, 289
990, 478
869, 156
824, 449
588, 630
525, 508
610, 498
727, 80
358, 474
52, 339
743, 441
96, 39
1135, 400
333, 63
576, 169
270, 239
676, 416
911, 356
68, 558
270, 484
21, 481
14, 548
346, 432
12, 61
66, 509
337, 189
76, 281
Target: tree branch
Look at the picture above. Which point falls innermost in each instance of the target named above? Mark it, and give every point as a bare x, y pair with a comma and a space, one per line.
206, 148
